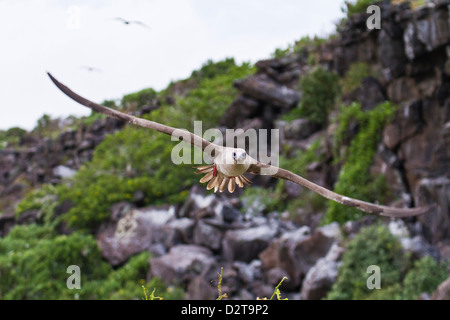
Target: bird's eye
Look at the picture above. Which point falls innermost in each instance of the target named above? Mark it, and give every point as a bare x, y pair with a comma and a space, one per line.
234, 154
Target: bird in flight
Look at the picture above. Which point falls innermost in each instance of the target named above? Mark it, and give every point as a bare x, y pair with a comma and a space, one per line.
230, 164
128, 22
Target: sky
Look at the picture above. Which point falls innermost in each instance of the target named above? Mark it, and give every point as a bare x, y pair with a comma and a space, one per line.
65, 37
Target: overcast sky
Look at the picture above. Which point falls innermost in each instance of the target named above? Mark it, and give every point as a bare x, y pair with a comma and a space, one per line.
63, 37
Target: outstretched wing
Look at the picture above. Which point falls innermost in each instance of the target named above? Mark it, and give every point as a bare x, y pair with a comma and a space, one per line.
259, 168
180, 134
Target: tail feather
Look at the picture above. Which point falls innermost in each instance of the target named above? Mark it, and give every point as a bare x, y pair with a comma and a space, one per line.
207, 177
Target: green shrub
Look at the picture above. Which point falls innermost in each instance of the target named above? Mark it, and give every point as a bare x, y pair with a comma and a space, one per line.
354, 75
354, 179
43, 200
306, 44
425, 276
11, 137
34, 261
357, 6
373, 245
401, 278
131, 160
320, 89
136, 100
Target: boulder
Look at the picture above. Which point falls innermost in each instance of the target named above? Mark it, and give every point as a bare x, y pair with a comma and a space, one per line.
182, 264
207, 235
443, 291
178, 231
133, 232
245, 244
297, 129
295, 253
261, 88
322, 275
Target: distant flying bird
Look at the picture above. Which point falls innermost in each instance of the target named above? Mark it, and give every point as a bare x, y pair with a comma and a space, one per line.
91, 69
230, 164
128, 22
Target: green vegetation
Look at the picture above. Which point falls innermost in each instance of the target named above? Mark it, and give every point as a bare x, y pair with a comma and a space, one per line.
320, 89
357, 6
306, 45
354, 179
355, 74
11, 137
375, 245
134, 101
43, 200
34, 261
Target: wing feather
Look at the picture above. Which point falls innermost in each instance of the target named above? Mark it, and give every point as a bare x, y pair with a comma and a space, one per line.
361, 205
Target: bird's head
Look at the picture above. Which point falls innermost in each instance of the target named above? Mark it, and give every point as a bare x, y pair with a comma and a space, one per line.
239, 155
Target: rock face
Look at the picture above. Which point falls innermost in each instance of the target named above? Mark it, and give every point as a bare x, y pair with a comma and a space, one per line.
322, 275
443, 291
135, 231
182, 263
246, 244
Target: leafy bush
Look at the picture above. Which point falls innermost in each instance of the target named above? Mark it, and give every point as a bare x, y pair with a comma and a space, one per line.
34, 261
306, 45
11, 137
358, 6
425, 276
134, 101
401, 278
43, 200
319, 91
354, 179
373, 245
355, 74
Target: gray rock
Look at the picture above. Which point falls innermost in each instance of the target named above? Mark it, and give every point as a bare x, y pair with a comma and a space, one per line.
322, 275
201, 289
262, 88
295, 253
178, 231
182, 264
134, 232
207, 235
443, 291
436, 224
63, 172
296, 129
246, 244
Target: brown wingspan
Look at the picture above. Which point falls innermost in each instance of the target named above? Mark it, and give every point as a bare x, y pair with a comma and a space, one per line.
361, 205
